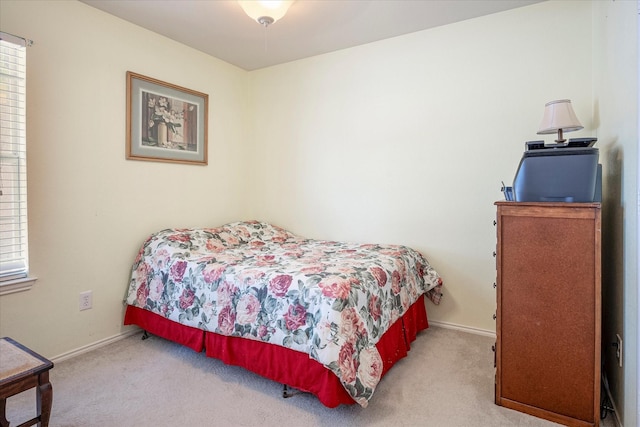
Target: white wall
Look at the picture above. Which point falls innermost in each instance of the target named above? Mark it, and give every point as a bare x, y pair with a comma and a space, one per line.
616, 113
89, 208
406, 140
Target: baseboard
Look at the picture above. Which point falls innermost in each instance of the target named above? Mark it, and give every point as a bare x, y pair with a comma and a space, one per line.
605, 383
468, 329
93, 346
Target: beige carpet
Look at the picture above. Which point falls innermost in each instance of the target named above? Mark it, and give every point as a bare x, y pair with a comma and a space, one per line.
447, 380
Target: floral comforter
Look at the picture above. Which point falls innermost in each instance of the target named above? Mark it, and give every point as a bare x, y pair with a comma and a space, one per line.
332, 300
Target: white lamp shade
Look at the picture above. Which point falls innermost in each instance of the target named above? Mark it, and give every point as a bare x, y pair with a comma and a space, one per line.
559, 115
257, 9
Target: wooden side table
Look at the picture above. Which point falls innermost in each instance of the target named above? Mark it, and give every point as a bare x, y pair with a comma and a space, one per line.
20, 370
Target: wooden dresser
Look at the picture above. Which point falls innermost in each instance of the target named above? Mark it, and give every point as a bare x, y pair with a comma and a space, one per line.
549, 310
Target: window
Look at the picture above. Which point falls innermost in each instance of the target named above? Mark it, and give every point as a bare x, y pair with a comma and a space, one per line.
13, 165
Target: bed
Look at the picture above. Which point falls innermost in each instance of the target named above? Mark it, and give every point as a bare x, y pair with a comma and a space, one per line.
324, 317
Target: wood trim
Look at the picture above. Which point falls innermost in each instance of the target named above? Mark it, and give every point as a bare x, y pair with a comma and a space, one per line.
550, 210
547, 415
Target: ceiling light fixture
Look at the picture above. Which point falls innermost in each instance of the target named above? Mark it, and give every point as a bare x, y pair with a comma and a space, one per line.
265, 12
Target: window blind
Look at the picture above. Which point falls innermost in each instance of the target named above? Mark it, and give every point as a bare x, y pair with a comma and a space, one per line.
13, 159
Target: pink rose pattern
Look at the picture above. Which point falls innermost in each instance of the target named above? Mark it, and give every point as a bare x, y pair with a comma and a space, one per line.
177, 270
370, 367
347, 363
295, 317
380, 275
335, 287
262, 282
186, 299
279, 285
247, 309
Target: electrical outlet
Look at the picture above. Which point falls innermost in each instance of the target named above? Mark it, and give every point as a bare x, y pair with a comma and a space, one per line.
86, 300
618, 346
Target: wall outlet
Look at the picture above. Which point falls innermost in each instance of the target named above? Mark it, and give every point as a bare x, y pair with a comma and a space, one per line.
86, 300
618, 346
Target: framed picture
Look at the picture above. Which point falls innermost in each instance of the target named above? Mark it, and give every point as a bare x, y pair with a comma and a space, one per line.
165, 122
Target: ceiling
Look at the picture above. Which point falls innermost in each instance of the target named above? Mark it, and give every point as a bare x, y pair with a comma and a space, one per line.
311, 27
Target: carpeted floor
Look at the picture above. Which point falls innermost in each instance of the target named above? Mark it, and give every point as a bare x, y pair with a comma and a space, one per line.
447, 380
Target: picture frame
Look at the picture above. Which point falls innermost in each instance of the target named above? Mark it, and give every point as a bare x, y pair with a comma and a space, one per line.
165, 122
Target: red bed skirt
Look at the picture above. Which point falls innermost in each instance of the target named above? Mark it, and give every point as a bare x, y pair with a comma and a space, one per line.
278, 363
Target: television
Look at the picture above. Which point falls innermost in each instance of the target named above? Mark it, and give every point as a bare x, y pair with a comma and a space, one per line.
567, 173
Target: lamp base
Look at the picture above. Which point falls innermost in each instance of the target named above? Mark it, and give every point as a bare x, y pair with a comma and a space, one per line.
561, 139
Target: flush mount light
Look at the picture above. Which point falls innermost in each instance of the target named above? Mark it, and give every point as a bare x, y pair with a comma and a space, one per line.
265, 12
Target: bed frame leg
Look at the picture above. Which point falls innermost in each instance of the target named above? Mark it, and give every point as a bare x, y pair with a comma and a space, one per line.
288, 392
145, 335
